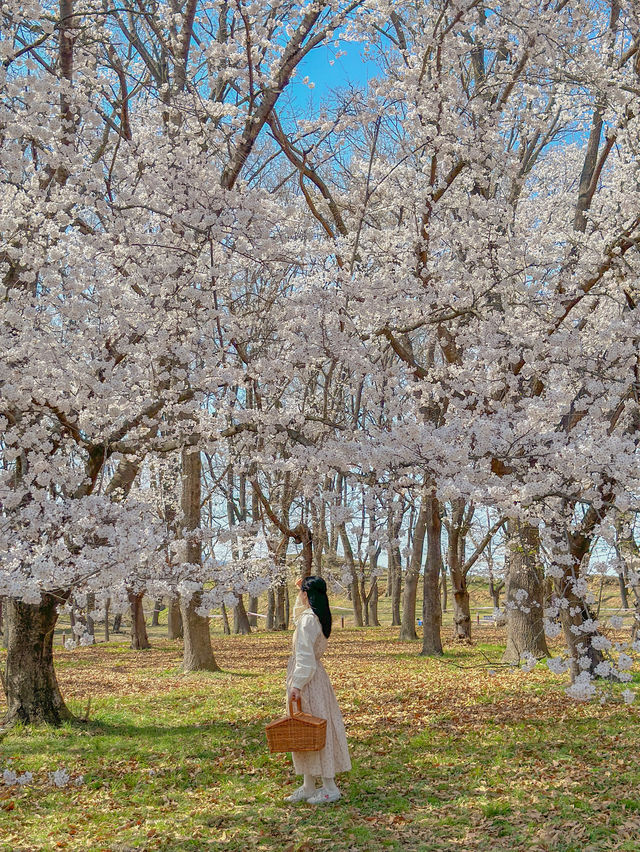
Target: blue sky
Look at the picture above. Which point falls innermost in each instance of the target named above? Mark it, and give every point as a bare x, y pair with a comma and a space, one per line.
329, 70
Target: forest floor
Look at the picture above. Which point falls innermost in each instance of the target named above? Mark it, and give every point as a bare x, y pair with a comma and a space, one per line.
457, 753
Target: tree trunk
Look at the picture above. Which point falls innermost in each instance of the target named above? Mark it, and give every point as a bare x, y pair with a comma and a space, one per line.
462, 612
456, 559
372, 604
524, 594
174, 619
253, 607
91, 605
395, 570
271, 610
240, 618
629, 554
226, 628
31, 688
624, 600
198, 654
445, 588
5, 622
319, 536
157, 609
280, 607
255, 517
365, 601
354, 587
433, 569
107, 604
396, 588
494, 591
576, 612
139, 638
412, 575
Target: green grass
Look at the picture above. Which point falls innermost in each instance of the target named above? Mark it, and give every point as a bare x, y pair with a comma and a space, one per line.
444, 758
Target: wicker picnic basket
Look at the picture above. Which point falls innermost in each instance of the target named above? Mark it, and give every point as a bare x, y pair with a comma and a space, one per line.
297, 732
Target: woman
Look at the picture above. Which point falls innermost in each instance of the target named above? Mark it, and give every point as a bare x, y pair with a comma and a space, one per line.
308, 682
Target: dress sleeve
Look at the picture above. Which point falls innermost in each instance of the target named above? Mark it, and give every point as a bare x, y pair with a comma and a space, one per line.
306, 635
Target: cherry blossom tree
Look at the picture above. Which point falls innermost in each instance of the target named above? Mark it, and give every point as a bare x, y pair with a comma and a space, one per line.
124, 134
426, 289
483, 228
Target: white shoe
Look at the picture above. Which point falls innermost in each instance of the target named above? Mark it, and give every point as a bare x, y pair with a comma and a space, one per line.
324, 797
300, 795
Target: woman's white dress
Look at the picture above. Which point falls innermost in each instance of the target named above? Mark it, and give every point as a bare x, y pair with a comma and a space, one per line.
306, 672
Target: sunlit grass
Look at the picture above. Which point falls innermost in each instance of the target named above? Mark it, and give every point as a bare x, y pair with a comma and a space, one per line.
448, 755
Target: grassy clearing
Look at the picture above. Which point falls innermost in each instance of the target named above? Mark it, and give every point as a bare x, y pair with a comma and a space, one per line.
448, 755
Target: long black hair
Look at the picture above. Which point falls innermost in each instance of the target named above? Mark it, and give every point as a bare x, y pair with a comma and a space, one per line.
316, 590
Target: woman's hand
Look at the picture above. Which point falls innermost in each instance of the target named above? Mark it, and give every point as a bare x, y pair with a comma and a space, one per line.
294, 695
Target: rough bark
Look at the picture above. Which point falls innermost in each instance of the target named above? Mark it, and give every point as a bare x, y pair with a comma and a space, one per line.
255, 517
271, 610
91, 605
624, 599
139, 638
237, 513
524, 594
107, 604
280, 611
174, 619
302, 535
354, 588
433, 568
445, 588
320, 539
395, 571
412, 575
577, 612
253, 608
372, 604
370, 598
157, 609
240, 618
31, 688
494, 591
456, 562
226, 629
198, 654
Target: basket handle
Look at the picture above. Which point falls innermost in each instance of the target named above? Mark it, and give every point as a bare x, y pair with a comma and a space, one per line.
291, 703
